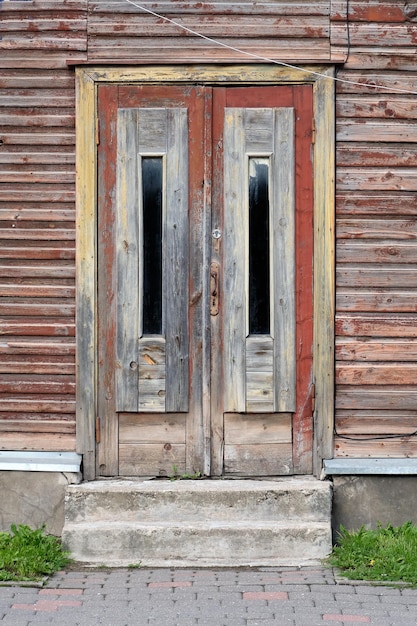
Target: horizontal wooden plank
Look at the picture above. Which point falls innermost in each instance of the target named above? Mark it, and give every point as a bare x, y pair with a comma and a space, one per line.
259, 392
37, 346
151, 459
31, 383
394, 178
376, 130
374, 155
35, 176
37, 253
37, 404
45, 59
17, 271
376, 373
56, 193
36, 366
377, 397
38, 23
43, 41
366, 251
42, 79
38, 158
376, 422
389, 203
377, 300
257, 428
17, 308
212, 24
272, 7
57, 120
41, 137
374, 350
37, 426
198, 50
269, 459
44, 329
403, 229
38, 441
376, 106
39, 98
44, 212
66, 6
376, 325
377, 58
371, 277
56, 234
372, 11
368, 82
375, 34
38, 291
386, 448
142, 428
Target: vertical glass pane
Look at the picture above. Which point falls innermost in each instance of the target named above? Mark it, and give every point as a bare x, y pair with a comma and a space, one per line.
152, 244
259, 270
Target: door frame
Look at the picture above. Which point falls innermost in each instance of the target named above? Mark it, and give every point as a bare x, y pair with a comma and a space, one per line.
87, 80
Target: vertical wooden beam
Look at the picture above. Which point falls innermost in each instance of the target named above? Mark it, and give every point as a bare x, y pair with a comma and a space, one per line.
324, 268
176, 268
283, 260
86, 270
235, 237
127, 255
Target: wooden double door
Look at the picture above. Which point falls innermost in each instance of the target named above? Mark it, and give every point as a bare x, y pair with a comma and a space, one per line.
205, 248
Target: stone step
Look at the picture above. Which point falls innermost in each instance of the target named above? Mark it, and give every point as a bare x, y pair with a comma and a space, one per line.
191, 523
187, 500
234, 544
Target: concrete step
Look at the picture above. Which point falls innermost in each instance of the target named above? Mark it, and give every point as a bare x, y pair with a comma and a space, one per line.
197, 545
199, 523
182, 500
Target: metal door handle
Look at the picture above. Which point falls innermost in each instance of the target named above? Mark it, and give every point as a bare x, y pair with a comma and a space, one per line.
214, 288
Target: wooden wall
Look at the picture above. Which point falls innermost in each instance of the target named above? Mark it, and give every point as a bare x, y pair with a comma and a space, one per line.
376, 293
376, 191
37, 236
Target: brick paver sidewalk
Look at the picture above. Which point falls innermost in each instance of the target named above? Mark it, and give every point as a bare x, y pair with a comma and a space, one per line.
224, 597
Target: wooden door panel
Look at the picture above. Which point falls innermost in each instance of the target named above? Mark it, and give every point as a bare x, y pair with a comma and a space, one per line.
142, 373
206, 387
264, 375
267, 133
152, 371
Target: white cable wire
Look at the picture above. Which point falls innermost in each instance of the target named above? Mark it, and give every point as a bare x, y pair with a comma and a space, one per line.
266, 59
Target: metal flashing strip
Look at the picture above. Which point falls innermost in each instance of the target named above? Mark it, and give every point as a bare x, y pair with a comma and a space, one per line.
27, 461
392, 467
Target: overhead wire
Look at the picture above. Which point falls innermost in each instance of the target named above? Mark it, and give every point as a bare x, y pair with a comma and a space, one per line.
259, 57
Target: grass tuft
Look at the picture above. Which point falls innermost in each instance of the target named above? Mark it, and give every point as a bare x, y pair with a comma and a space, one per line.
27, 554
383, 554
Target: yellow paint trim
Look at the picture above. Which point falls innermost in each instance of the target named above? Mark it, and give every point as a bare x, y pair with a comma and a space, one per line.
324, 227
86, 194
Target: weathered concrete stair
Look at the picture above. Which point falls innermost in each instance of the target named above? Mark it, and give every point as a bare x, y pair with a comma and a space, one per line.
199, 522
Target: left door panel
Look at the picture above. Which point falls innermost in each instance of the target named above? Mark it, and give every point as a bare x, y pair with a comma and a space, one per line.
150, 316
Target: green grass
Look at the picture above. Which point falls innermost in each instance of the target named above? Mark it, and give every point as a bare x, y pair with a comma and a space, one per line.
27, 554
384, 554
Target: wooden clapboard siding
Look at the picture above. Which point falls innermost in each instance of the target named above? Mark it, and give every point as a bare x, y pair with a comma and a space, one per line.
279, 29
52, 32
37, 222
376, 228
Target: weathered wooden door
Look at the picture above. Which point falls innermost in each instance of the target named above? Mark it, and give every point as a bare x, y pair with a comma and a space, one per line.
204, 280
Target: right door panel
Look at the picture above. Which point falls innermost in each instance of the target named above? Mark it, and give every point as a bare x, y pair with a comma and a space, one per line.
262, 337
